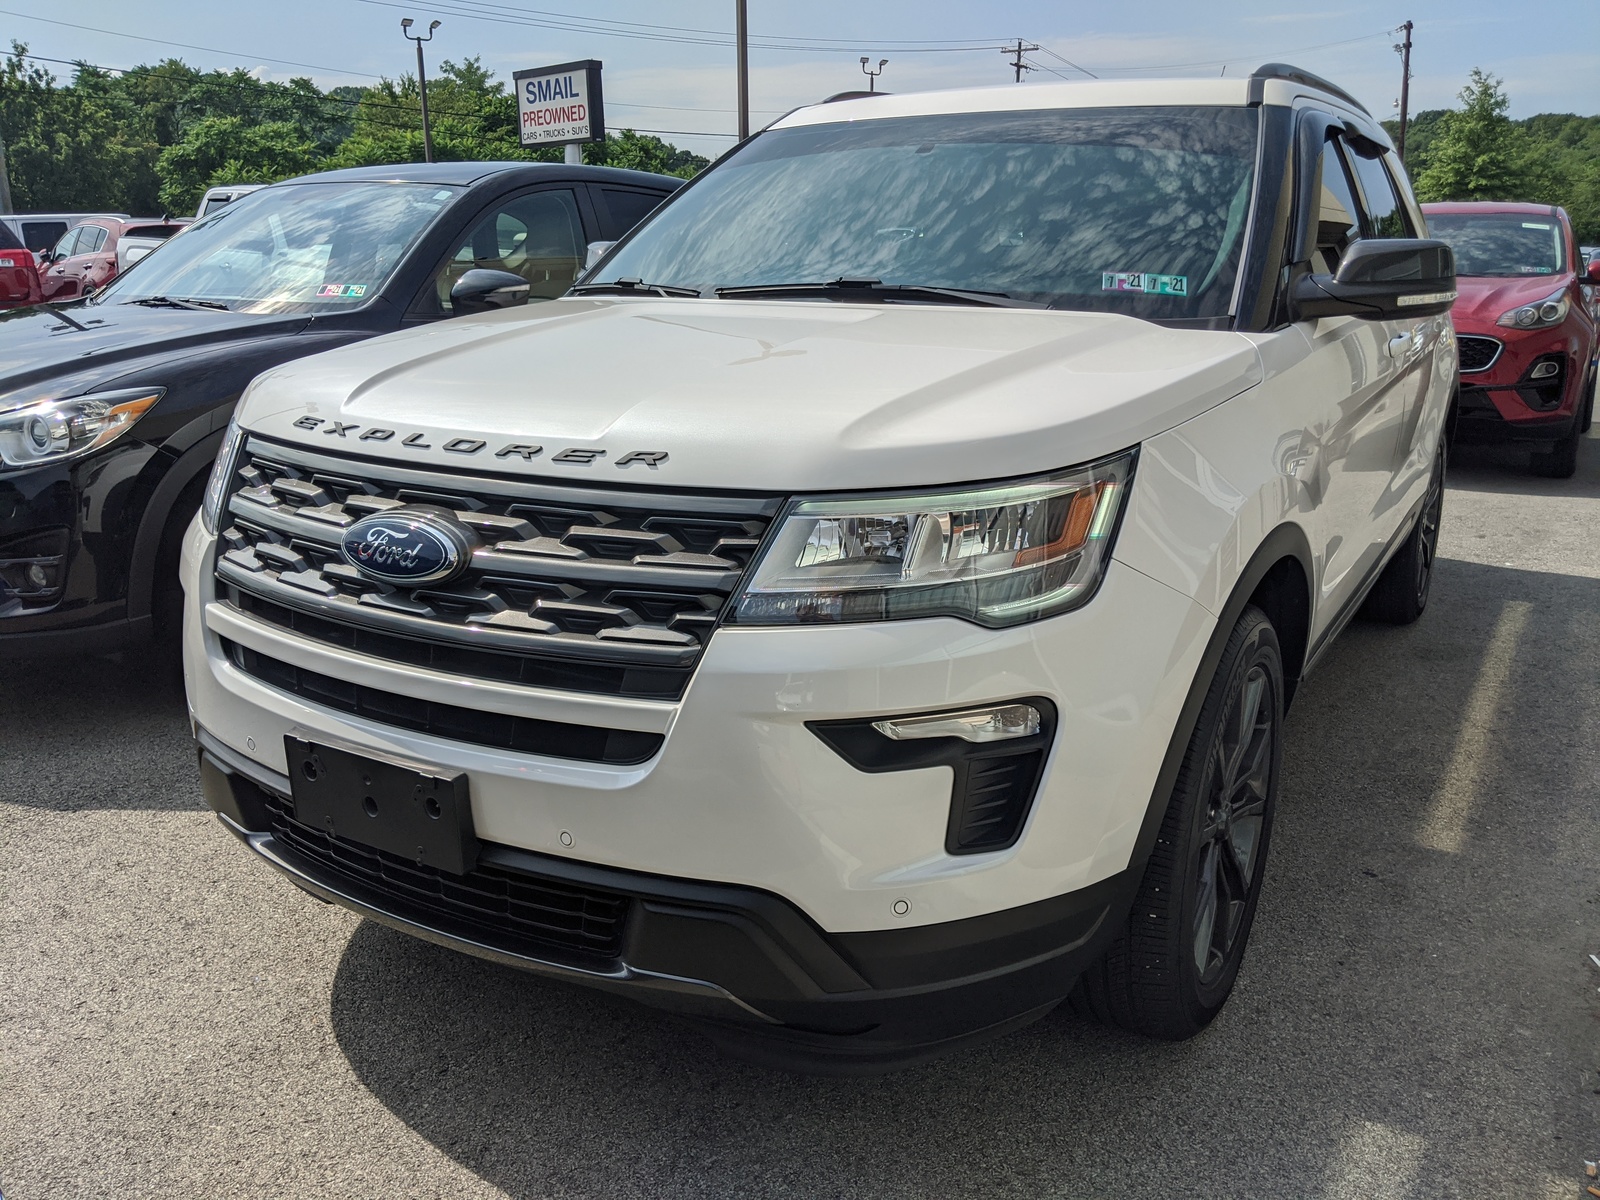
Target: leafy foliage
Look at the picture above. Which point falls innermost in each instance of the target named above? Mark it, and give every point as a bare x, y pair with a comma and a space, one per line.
155, 137
1477, 152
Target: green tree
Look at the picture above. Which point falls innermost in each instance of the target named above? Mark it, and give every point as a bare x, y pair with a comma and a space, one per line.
1479, 153
644, 152
219, 150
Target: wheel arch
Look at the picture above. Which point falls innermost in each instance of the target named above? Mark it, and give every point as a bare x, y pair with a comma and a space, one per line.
191, 467
1278, 580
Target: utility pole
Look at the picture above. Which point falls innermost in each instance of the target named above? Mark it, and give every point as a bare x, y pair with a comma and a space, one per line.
741, 36
1405, 91
1019, 50
5, 181
422, 82
872, 76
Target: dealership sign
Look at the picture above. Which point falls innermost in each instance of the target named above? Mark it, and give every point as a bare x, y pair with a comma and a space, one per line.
561, 104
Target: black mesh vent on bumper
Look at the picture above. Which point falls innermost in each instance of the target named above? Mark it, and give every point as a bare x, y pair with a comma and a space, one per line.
1477, 353
527, 735
498, 906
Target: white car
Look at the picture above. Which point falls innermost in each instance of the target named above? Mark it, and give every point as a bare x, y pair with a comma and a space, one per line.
217, 198
861, 614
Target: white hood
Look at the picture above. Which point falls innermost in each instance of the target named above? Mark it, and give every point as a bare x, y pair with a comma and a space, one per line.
764, 395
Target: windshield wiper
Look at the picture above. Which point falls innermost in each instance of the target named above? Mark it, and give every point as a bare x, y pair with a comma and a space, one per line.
874, 289
633, 286
175, 302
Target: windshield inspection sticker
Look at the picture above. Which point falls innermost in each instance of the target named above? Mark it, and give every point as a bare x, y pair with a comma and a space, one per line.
342, 291
1144, 281
1534, 225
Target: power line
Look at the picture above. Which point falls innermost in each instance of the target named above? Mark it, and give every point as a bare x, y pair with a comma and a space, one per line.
1069, 63
284, 62
1223, 62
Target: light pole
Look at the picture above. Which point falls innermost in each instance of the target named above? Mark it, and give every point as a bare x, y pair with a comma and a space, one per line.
422, 81
741, 37
872, 76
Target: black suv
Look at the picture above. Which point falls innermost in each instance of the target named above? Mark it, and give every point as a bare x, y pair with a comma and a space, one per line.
112, 409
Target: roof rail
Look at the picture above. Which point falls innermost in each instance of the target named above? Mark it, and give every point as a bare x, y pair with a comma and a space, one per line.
853, 96
1277, 70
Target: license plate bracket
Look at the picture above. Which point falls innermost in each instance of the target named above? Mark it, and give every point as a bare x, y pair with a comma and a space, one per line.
420, 816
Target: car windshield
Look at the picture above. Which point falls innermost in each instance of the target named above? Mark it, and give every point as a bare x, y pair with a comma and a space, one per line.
293, 248
1501, 243
1131, 210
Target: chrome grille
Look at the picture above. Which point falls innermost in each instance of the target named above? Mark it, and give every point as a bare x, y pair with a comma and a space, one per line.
590, 589
1477, 353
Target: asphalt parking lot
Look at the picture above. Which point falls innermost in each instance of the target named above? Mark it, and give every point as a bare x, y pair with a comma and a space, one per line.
1417, 1015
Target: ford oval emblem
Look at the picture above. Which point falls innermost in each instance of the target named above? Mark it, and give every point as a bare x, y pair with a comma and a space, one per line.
409, 547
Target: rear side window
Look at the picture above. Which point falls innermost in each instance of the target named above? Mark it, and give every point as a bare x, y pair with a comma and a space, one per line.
151, 231
91, 239
1386, 213
628, 208
1338, 214
9, 239
42, 235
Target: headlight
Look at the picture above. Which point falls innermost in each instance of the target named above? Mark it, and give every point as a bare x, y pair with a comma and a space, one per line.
221, 474
50, 431
1552, 310
995, 555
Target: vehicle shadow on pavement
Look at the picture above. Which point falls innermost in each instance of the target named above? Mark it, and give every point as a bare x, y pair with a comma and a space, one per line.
114, 728
1430, 888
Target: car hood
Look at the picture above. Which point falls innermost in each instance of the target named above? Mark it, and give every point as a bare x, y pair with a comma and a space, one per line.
1483, 299
39, 346
768, 395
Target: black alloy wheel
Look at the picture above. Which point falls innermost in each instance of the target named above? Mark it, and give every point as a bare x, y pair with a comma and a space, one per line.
1170, 969
1238, 789
1401, 593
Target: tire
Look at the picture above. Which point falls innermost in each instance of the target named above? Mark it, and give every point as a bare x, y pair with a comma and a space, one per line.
1561, 460
1587, 420
1401, 594
166, 600
1170, 970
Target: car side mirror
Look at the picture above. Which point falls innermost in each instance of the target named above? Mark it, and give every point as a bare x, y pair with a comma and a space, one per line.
597, 251
482, 290
1591, 273
45, 257
1382, 279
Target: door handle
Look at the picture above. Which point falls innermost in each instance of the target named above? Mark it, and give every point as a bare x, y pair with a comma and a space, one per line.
1398, 344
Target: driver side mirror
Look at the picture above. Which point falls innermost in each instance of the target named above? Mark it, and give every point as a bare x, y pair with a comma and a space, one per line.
45, 257
1591, 273
482, 290
597, 251
1382, 279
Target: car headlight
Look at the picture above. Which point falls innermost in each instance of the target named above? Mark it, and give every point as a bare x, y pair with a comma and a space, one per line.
221, 474
996, 555
51, 431
1552, 310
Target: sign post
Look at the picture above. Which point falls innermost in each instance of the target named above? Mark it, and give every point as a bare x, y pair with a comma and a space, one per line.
561, 106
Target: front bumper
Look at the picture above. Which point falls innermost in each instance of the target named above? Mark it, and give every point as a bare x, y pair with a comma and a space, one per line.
757, 976
1506, 402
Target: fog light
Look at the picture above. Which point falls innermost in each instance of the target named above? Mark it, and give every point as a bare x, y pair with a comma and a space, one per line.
972, 725
1545, 370
38, 577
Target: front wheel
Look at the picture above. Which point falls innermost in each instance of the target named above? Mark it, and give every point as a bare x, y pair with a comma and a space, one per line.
1169, 972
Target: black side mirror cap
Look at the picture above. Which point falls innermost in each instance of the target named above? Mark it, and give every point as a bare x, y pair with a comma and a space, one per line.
482, 290
1382, 279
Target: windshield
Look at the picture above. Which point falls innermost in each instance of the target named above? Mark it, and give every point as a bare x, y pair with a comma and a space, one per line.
1501, 243
1132, 210
310, 247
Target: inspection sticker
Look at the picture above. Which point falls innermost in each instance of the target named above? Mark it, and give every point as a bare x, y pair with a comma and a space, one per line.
1534, 225
1144, 281
342, 291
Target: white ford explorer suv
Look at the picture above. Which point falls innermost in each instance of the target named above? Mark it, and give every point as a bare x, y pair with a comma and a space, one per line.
861, 614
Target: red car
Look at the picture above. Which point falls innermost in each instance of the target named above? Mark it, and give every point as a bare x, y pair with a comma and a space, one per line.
1525, 326
19, 274
85, 259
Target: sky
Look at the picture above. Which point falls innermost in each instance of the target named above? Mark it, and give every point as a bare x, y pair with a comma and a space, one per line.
669, 67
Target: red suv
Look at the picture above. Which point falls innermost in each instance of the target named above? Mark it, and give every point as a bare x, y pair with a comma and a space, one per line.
1525, 326
19, 274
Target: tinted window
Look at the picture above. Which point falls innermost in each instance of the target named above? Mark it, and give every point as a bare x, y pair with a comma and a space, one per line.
90, 239
313, 247
538, 236
1501, 243
1338, 215
1133, 210
8, 238
42, 235
1384, 210
629, 208
151, 231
